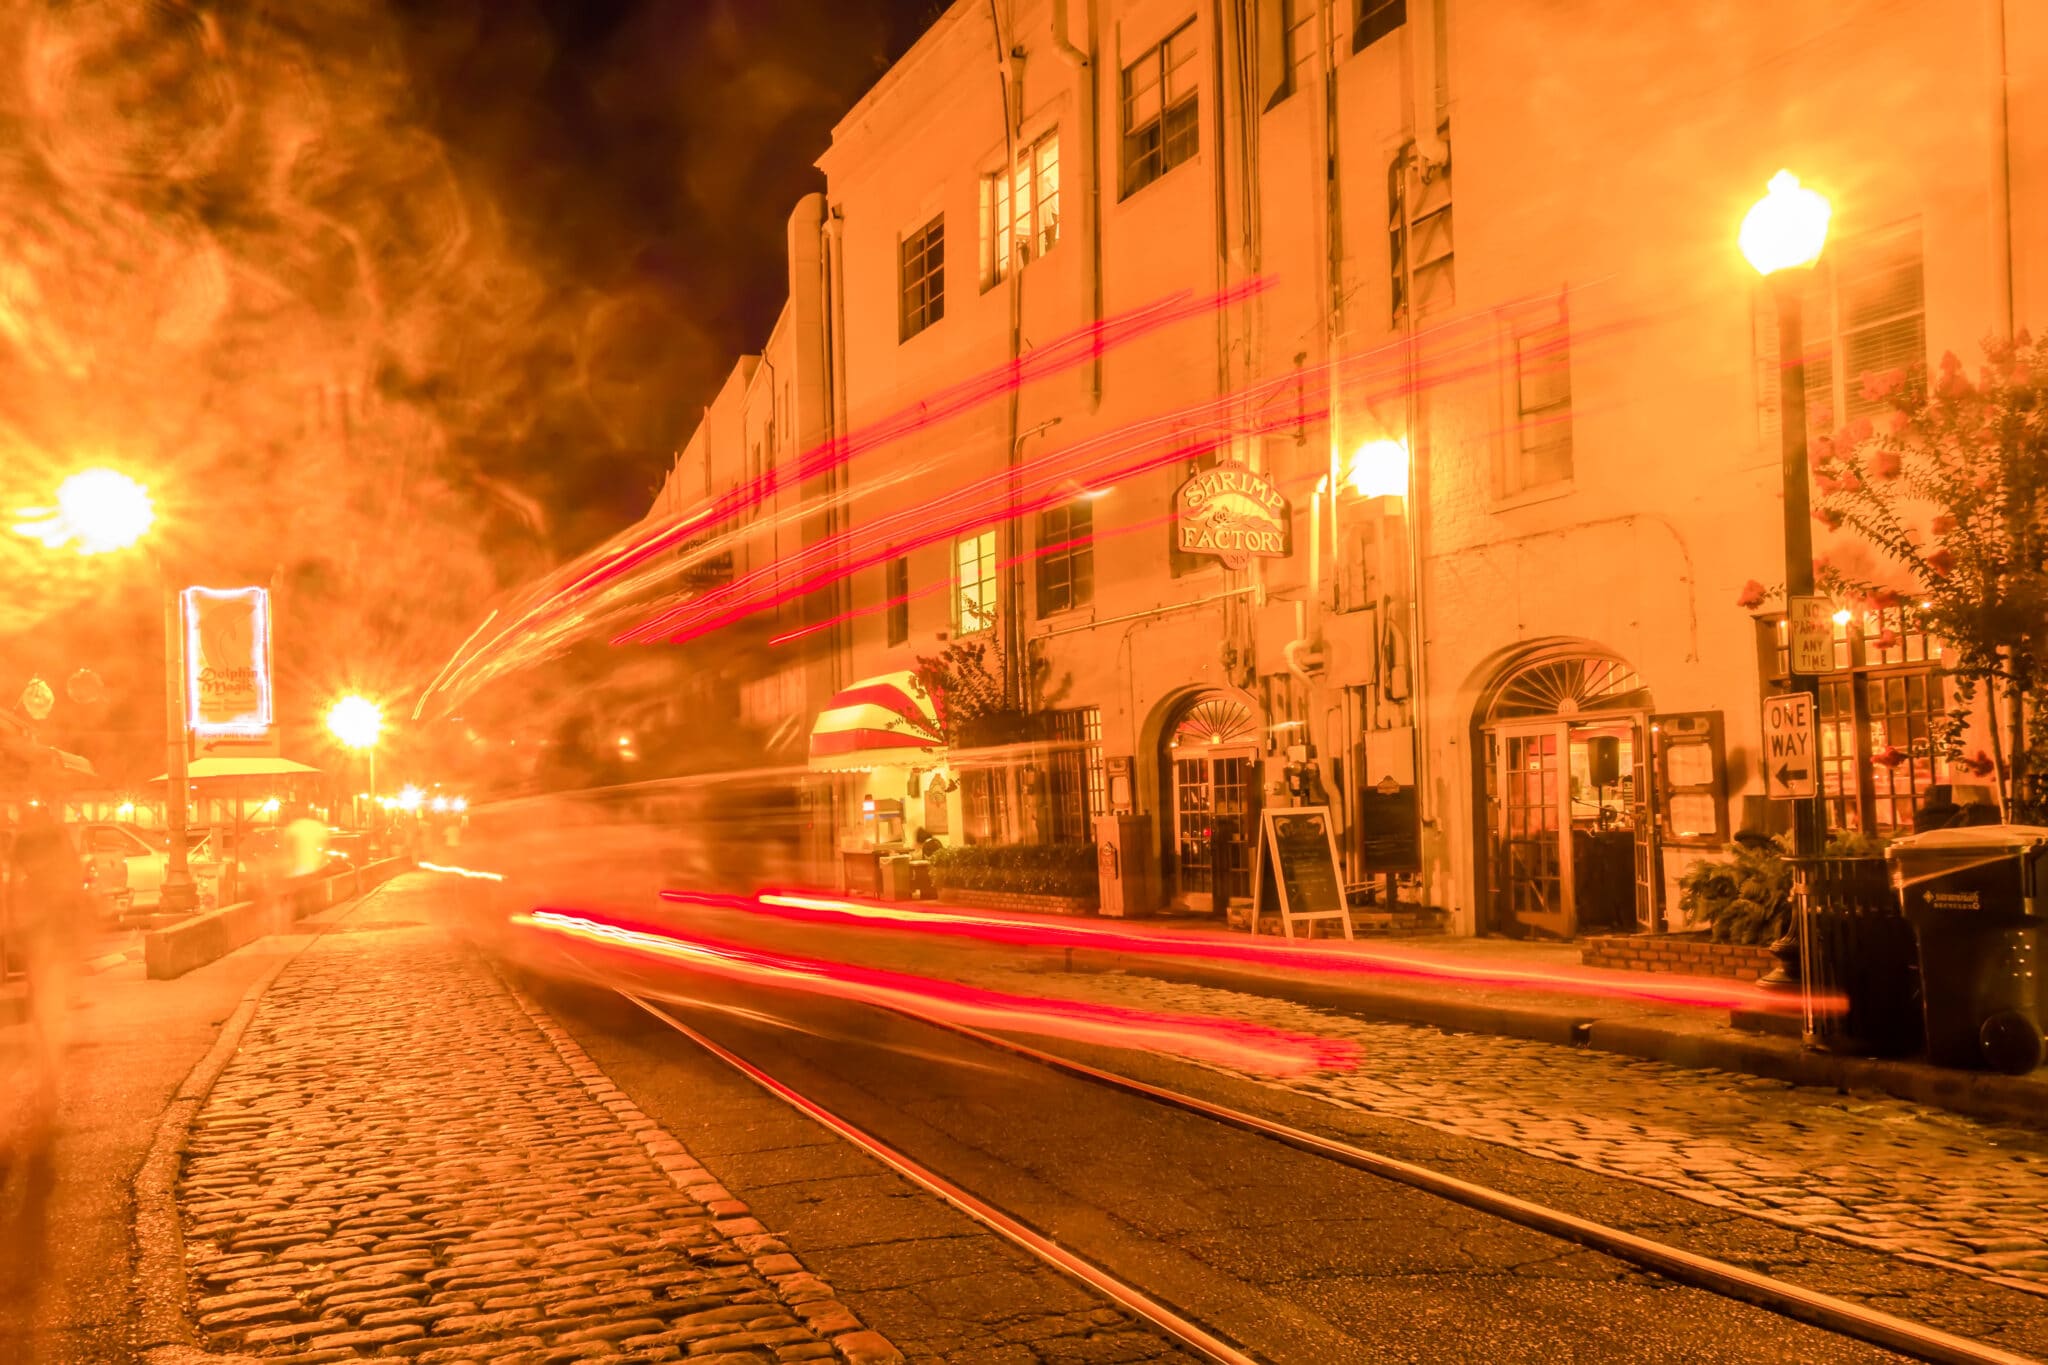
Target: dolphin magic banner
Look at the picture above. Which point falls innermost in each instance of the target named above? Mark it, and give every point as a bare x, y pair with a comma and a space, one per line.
1232, 513
227, 661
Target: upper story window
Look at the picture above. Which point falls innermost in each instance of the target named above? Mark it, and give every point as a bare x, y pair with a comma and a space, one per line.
1376, 19
1020, 212
896, 593
1299, 20
1538, 450
974, 582
1864, 309
923, 260
1066, 557
1420, 246
1161, 127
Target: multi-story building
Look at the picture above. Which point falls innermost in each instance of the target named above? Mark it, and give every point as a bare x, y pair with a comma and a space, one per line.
1443, 299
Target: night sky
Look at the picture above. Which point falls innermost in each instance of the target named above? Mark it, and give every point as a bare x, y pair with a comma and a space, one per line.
647, 153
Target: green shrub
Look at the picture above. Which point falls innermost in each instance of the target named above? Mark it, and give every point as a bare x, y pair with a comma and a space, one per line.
1747, 897
1018, 869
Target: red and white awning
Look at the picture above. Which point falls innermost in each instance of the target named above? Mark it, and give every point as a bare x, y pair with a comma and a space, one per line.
882, 722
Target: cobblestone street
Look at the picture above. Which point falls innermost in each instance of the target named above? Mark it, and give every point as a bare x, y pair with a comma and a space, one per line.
1878, 1173
405, 1160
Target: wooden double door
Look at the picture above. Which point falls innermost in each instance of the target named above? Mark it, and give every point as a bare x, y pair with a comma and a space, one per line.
1570, 829
1216, 821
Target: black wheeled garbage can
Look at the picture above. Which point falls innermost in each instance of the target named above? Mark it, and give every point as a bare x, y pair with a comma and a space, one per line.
1974, 898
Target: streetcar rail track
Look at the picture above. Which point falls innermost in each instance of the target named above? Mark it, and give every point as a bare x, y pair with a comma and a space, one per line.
1825, 1311
1162, 1316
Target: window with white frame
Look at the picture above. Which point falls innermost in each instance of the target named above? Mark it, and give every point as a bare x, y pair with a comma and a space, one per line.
1377, 19
1865, 311
1020, 212
1538, 451
1299, 20
922, 257
974, 582
1161, 109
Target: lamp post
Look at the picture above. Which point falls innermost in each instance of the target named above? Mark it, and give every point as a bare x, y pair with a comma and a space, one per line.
100, 511
1781, 237
358, 722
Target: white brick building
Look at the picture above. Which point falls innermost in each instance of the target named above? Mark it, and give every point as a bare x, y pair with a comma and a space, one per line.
1539, 295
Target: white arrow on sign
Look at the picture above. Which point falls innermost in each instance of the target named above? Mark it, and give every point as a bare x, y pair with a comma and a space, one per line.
1790, 753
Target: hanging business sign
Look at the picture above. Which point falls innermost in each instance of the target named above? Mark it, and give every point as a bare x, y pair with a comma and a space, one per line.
1233, 513
227, 661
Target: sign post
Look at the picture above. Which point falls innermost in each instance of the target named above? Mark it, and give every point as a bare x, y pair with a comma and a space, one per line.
1791, 755
1297, 869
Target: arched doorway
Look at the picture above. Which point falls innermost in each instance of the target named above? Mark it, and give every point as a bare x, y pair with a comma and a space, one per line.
1566, 834
1210, 774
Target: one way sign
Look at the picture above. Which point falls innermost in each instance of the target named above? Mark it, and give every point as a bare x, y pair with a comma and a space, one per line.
1789, 749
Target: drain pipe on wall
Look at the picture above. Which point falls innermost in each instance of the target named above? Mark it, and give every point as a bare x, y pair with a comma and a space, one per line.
1087, 91
2001, 173
1010, 605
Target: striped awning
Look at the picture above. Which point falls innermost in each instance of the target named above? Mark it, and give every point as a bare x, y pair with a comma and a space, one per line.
882, 722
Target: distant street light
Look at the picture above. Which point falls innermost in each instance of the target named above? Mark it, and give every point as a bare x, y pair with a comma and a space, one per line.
1782, 237
99, 511
358, 723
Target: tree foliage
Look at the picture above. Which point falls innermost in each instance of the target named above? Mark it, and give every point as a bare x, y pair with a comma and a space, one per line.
1948, 484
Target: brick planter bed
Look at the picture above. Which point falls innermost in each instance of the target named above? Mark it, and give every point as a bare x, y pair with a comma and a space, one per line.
1683, 954
1014, 900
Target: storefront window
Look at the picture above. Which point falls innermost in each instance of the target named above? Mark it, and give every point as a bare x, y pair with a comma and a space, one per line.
1075, 773
1883, 709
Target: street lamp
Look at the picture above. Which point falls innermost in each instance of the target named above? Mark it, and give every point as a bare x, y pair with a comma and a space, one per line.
1782, 237
99, 511
1379, 469
358, 722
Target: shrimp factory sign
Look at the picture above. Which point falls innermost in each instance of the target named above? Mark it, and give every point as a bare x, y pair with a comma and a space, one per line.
1232, 513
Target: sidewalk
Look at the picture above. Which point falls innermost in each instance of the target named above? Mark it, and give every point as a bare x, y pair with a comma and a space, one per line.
1515, 989
403, 1157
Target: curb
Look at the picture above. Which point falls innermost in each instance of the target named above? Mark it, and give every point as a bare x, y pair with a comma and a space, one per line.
807, 1296
1986, 1096
165, 1333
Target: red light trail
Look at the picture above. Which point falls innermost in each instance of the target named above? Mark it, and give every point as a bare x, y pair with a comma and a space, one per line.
1227, 1042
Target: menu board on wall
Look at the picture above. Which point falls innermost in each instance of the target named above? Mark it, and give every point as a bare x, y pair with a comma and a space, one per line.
1692, 778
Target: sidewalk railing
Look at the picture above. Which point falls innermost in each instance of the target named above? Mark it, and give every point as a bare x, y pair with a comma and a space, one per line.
1858, 958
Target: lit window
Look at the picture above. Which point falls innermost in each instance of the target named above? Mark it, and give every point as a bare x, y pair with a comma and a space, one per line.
1160, 109
974, 583
924, 278
1864, 312
1024, 223
1066, 557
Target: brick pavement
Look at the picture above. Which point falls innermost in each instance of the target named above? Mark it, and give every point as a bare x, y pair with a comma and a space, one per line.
1912, 1182
405, 1158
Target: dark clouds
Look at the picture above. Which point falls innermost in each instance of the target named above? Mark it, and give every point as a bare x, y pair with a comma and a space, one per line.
645, 154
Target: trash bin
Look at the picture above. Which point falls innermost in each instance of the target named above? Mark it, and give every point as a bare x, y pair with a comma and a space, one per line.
1860, 967
896, 875
1973, 896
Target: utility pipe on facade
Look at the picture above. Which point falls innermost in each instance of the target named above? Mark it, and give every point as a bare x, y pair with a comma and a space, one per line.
1087, 93
2001, 173
1010, 603
834, 330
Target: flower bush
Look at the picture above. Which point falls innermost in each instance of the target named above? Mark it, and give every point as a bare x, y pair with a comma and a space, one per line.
1019, 869
1947, 483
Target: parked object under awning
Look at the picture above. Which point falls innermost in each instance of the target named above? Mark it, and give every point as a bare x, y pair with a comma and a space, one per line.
888, 721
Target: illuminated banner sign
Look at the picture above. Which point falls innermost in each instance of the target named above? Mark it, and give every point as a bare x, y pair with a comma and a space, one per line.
227, 661
1232, 513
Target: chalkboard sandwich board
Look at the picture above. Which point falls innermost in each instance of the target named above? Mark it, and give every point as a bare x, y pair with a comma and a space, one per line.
1298, 870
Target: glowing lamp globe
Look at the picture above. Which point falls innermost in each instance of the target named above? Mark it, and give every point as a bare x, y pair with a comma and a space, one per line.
356, 722
98, 511
1379, 469
1787, 228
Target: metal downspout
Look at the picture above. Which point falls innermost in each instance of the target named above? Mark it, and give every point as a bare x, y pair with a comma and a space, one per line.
1088, 94
1010, 605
